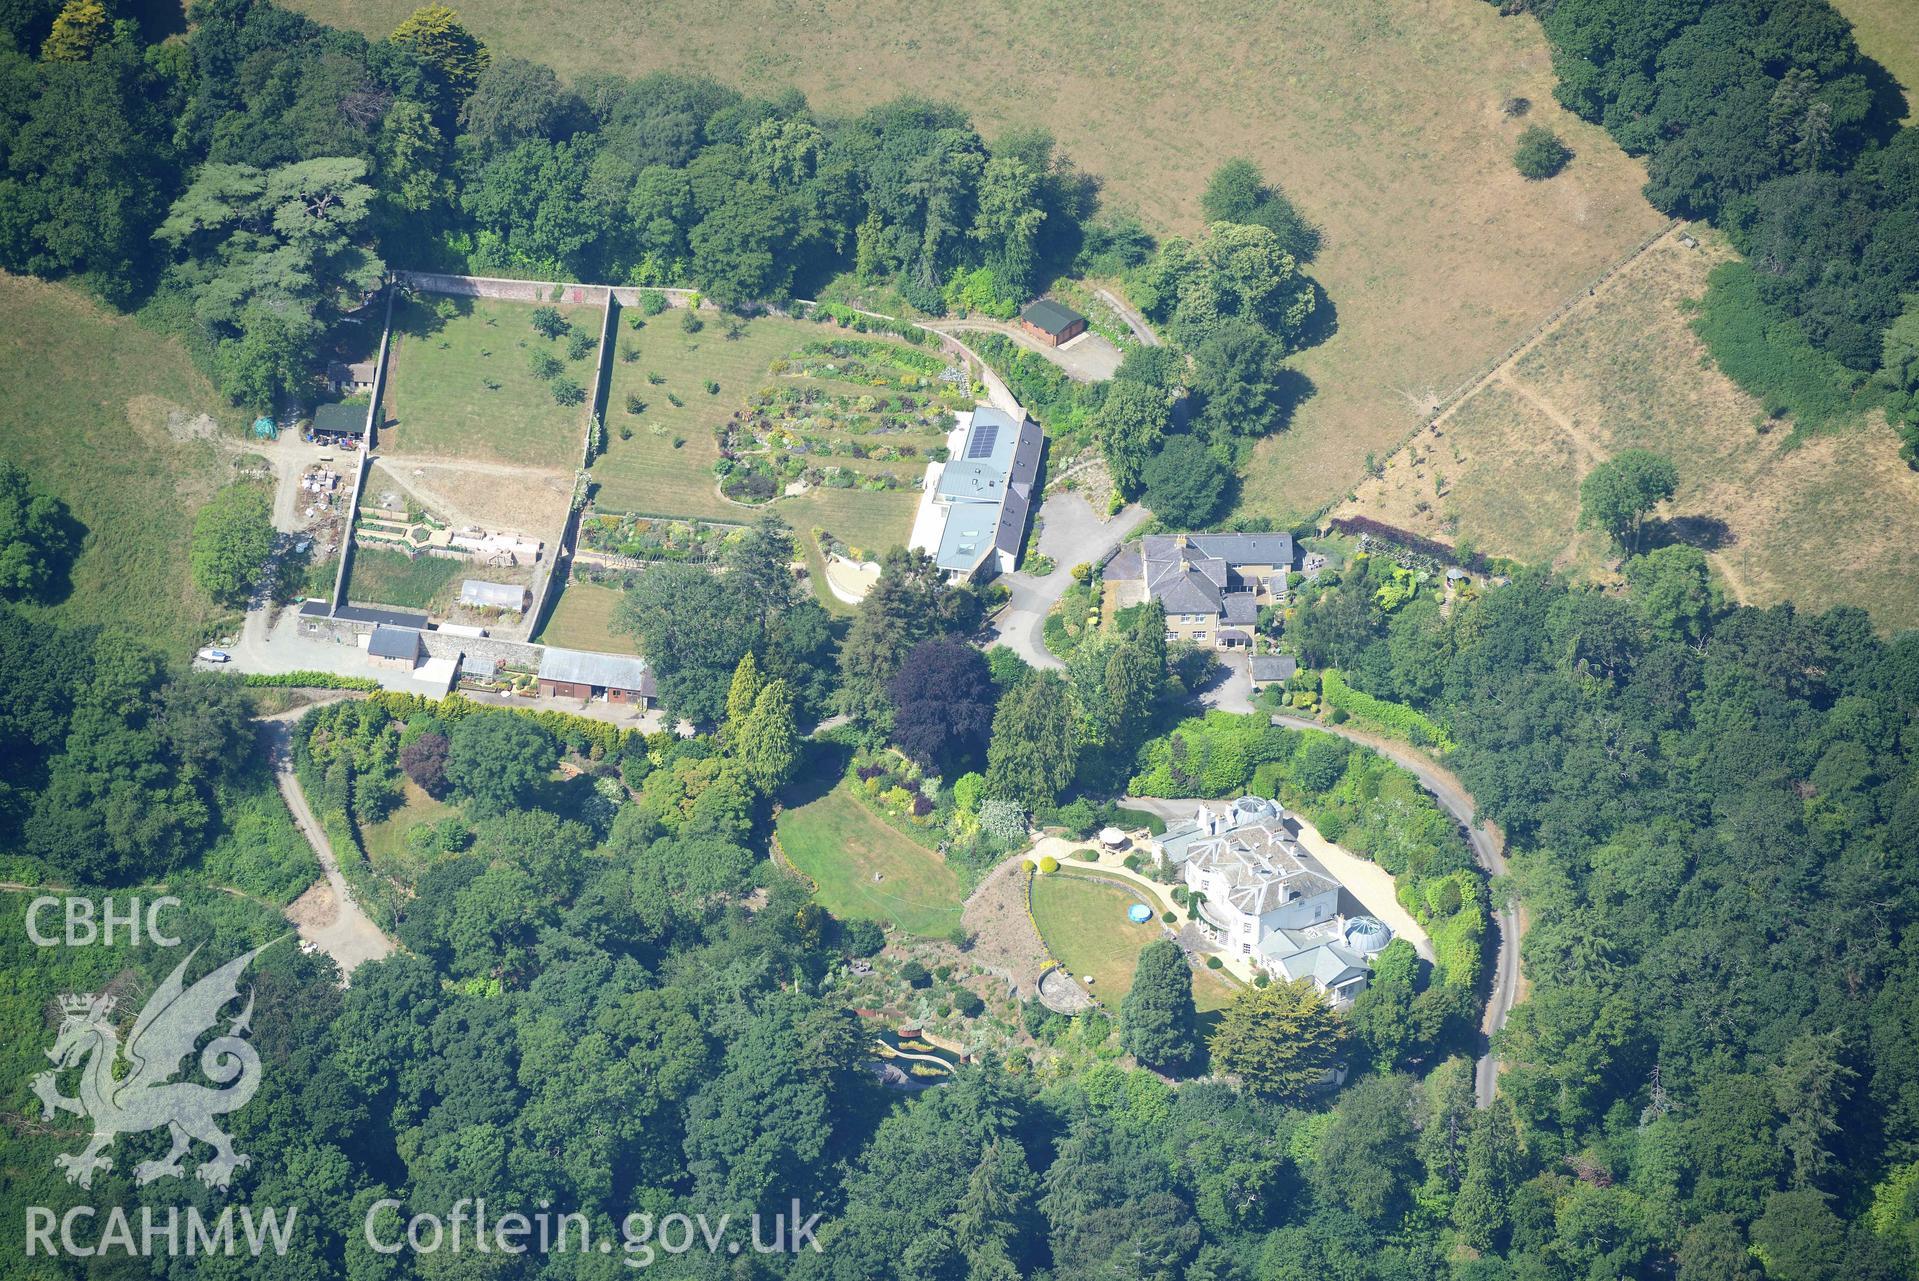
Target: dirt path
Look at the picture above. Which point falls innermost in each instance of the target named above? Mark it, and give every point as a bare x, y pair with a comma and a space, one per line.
1734, 579
327, 915
1587, 446
443, 500
1134, 321
1567, 309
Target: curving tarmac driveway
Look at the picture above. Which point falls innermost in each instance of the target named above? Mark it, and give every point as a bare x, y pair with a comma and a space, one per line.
1489, 848
1088, 358
1072, 534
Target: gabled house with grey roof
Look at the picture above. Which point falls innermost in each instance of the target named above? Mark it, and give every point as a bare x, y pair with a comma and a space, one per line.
395, 647
1211, 585
974, 505
1263, 896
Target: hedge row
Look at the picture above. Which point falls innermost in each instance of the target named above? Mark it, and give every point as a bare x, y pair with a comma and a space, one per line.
1394, 718
307, 680
594, 739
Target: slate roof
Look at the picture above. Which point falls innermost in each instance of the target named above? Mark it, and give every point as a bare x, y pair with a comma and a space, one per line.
1327, 964
1272, 667
394, 642
1125, 566
340, 420
1201, 577
588, 667
1053, 317
1248, 845
380, 617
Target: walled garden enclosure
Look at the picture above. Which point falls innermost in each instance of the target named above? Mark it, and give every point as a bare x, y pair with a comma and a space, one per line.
464, 383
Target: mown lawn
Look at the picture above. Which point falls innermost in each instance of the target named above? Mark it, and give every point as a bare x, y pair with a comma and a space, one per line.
442, 399
89, 396
1085, 927
382, 577
583, 619
865, 869
385, 841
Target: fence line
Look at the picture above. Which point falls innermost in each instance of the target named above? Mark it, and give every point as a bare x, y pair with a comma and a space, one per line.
1487, 370
1491, 367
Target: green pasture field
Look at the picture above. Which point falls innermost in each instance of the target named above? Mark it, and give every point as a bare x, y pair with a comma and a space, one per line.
440, 402
98, 409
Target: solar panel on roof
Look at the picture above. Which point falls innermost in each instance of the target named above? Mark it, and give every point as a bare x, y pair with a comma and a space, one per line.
985, 436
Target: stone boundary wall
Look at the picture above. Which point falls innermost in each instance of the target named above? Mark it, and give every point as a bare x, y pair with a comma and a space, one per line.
536, 291
478, 654
481, 655
602, 382
366, 453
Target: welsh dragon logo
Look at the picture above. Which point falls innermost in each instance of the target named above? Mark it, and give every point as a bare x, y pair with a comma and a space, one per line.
147, 1097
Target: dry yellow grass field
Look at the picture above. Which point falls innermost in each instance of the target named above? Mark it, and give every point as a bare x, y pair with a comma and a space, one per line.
1832, 521
1888, 32
1381, 120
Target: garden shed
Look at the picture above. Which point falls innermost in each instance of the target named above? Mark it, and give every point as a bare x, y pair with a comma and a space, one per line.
1051, 322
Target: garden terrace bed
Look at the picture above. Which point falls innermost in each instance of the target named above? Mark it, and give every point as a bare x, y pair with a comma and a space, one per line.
648, 538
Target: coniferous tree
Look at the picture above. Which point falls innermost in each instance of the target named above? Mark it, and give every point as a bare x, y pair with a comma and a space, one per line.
1159, 1024
1280, 1040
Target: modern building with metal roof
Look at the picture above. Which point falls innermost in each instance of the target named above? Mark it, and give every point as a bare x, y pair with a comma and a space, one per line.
586, 674
973, 507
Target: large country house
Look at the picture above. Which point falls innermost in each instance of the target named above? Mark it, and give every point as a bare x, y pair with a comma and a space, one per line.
1263, 896
1211, 585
